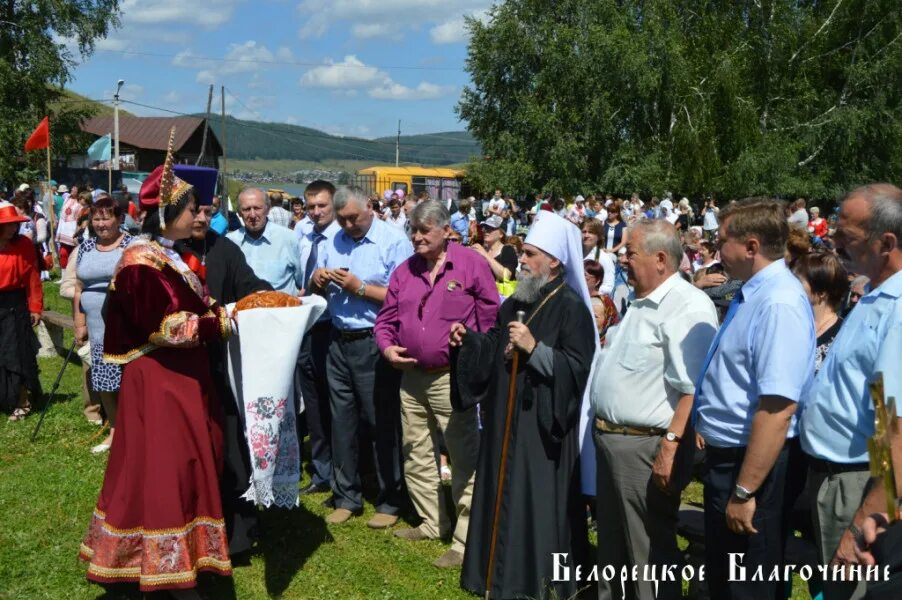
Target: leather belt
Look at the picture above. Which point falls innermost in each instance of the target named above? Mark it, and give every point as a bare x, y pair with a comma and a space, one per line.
831, 468
608, 427
348, 335
436, 370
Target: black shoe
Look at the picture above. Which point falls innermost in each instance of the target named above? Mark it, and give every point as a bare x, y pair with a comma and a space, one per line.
329, 502
316, 489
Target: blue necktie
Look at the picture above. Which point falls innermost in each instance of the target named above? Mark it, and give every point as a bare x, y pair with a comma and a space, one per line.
311, 260
731, 312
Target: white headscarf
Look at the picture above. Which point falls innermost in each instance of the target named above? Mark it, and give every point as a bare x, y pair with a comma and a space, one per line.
562, 239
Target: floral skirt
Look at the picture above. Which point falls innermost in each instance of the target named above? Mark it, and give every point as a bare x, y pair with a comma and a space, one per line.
158, 520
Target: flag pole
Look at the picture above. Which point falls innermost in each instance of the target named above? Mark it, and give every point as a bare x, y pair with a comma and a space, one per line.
51, 237
109, 176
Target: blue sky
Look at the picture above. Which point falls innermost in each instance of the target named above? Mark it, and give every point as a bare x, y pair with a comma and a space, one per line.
348, 67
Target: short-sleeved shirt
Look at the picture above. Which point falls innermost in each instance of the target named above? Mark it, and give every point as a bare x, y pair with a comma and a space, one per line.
372, 258
837, 416
274, 256
654, 356
767, 349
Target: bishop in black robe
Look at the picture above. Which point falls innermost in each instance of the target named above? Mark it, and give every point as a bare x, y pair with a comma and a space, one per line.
542, 510
228, 279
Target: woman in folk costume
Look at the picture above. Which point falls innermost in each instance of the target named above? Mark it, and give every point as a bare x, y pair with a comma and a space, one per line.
159, 518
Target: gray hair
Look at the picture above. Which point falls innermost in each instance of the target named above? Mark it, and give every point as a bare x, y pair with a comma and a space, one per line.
430, 212
660, 236
885, 201
254, 190
349, 193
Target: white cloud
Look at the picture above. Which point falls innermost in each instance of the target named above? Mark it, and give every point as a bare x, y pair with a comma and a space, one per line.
424, 91
172, 97
205, 77
349, 73
246, 57
211, 15
291, 120
455, 30
369, 18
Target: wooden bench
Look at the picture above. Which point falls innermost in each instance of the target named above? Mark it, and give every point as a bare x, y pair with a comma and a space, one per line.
51, 333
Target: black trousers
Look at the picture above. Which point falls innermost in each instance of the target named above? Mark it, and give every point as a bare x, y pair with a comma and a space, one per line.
364, 392
764, 548
313, 383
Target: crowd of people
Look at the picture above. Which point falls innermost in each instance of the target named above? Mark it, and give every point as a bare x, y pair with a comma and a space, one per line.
546, 360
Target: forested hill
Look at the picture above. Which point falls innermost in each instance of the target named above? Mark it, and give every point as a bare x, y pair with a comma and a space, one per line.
278, 141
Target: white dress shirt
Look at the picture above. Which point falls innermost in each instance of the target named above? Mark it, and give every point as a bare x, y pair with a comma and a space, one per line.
654, 356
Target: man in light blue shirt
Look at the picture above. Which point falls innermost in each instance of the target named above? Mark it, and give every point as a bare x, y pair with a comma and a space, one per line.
353, 272
460, 221
837, 416
272, 251
758, 367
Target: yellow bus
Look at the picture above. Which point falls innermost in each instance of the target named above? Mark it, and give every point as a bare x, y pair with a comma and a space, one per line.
441, 183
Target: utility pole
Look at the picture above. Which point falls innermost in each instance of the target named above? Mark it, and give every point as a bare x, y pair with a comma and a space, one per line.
398, 146
203, 144
225, 178
119, 85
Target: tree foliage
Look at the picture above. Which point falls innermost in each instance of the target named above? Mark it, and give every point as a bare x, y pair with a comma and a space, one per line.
35, 63
732, 97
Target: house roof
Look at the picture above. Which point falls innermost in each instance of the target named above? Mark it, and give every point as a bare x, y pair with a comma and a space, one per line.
150, 133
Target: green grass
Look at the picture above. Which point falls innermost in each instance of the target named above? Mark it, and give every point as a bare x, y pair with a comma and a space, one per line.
48, 490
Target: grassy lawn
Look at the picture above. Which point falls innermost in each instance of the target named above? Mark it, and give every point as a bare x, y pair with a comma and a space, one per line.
48, 490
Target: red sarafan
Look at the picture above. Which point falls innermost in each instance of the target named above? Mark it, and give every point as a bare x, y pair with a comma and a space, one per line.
267, 300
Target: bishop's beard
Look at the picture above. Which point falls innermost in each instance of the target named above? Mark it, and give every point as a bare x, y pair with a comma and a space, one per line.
529, 286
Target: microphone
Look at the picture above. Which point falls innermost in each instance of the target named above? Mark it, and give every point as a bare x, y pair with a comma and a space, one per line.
521, 316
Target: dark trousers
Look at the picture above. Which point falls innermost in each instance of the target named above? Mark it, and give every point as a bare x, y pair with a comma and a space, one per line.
313, 383
364, 392
764, 548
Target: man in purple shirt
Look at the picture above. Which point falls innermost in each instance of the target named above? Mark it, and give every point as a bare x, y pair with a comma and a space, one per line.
441, 284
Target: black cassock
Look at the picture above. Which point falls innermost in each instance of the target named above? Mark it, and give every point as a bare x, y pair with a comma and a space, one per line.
230, 278
542, 510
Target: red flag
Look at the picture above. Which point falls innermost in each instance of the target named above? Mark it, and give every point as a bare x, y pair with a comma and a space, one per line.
40, 139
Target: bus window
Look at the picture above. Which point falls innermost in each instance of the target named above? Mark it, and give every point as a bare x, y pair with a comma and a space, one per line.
399, 185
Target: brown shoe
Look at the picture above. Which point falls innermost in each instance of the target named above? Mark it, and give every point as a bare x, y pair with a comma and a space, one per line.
340, 515
382, 521
449, 560
411, 534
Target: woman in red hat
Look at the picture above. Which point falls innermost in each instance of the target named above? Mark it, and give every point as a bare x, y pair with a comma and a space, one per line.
21, 304
158, 520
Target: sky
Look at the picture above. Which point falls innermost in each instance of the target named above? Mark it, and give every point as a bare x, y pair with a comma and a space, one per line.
347, 67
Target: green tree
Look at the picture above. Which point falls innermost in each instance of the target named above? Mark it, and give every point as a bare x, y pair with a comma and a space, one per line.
35, 64
733, 97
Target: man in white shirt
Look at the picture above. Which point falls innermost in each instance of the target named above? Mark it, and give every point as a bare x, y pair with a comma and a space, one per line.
496, 204
642, 393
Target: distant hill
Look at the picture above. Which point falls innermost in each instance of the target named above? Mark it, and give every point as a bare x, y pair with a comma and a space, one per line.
251, 140
100, 108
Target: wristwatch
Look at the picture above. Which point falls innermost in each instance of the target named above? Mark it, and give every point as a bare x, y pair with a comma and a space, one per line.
672, 437
361, 290
742, 493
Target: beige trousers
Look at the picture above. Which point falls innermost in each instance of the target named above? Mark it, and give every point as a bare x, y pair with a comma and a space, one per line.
426, 410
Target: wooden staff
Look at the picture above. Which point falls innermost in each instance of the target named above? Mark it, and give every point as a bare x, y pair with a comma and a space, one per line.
499, 494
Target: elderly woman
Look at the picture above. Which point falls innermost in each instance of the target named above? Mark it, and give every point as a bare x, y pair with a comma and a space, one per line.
21, 304
603, 307
502, 258
68, 223
817, 226
95, 264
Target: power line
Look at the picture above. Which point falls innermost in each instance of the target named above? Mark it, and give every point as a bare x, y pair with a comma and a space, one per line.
293, 63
